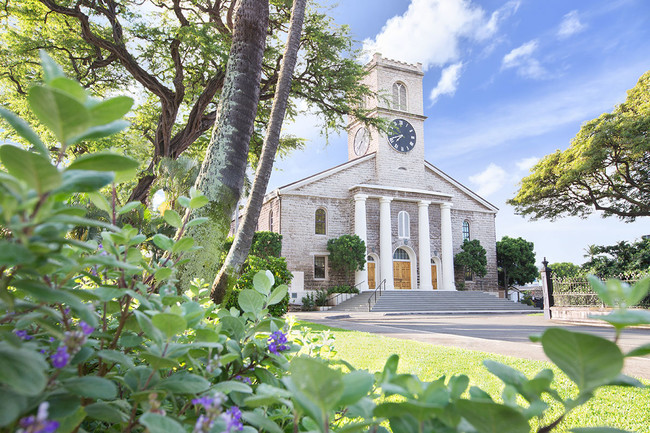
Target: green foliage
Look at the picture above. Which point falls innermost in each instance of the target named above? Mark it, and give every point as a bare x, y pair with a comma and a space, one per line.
565, 270
266, 244
606, 168
308, 302
347, 253
472, 257
278, 268
618, 260
342, 289
321, 298
516, 261
96, 338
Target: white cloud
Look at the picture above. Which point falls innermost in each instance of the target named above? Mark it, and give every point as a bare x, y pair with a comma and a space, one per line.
527, 163
448, 82
570, 25
535, 114
490, 180
430, 31
521, 58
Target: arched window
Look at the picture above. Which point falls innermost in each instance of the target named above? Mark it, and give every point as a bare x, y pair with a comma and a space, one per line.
399, 96
270, 221
320, 226
403, 225
401, 254
465, 230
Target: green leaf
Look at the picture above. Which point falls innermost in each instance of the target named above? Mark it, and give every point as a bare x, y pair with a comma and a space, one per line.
263, 281
184, 383
319, 383
100, 201
103, 411
173, 218
232, 327
356, 385
170, 324
163, 242
250, 301
183, 201
198, 202
598, 430
183, 244
34, 169
232, 385
261, 422
116, 357
91, 387
62, 114
157, 423
13, 405
147, 327
70, 423
51, 69
125, 175
12, 254
24, 130
622, 318
162, 274
487, 417
197, 221
458, 385
70, 87
84, 181
110, 110
507, 374
588, 360
129, 207
103, 161
278, 294
136, 378
640, 351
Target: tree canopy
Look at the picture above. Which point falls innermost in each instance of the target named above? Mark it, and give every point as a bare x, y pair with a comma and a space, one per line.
347, 253
516, 261
472, 257
606, 168
566, 269
176, 68
620, 259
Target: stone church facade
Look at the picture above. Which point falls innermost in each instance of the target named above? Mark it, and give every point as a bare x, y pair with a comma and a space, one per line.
412, 216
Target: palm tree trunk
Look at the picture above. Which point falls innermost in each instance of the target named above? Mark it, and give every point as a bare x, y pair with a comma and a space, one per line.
222, 173
244, 236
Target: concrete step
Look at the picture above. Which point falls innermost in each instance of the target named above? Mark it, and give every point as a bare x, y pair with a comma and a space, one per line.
421, 301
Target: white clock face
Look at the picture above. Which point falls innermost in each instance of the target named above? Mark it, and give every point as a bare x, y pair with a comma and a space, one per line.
361, 141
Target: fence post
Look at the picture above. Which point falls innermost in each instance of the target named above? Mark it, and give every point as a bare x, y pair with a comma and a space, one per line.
547, 288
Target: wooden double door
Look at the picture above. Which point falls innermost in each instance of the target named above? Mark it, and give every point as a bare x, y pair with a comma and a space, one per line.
402, 274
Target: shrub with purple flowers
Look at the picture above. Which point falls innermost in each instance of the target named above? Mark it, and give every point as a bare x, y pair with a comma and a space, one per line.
102, 339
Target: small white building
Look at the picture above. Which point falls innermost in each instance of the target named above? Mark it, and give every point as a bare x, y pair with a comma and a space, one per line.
412, 216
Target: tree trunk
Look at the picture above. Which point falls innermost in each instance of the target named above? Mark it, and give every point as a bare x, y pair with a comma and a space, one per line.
244, 236
222, 173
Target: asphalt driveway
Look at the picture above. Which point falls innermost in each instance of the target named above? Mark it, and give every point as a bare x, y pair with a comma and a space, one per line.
502, 334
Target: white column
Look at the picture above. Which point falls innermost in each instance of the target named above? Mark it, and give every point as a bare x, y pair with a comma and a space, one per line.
447, 248
360, 222
385, 242
425, 245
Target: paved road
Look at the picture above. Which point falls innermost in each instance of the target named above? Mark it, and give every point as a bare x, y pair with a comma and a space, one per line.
502, 334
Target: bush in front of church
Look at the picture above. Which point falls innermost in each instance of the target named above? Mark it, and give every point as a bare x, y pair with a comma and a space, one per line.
254, 264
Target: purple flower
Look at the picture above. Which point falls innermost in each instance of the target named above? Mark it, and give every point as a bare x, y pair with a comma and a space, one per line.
38, 423
276, 342
86, 328
244, 379
233, 420
60, 358
212, 406
22, 334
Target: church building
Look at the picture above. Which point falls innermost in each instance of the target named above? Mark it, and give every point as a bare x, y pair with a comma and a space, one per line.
412, 216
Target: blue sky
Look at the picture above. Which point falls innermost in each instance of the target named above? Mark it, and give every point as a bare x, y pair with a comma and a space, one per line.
506, 82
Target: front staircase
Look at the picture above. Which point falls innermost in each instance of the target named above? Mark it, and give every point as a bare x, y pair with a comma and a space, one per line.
435, 302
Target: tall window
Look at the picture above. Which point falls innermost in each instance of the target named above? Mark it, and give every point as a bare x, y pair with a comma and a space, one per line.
469, 276
399, 96
271, 221
321, 222
403, 225
465, 230
320, 265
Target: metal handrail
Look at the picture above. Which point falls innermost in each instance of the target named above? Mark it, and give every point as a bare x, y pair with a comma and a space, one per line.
374, 294
335, 298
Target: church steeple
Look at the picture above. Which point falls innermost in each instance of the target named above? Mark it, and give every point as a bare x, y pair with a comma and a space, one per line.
400, 153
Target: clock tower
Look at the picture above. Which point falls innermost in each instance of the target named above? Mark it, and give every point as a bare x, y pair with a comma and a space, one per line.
399, 99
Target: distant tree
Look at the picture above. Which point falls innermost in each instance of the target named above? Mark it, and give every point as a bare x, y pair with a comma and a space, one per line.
516, 262
347, 254
619, 259
472, 257
591, 251
606, 168
565, 269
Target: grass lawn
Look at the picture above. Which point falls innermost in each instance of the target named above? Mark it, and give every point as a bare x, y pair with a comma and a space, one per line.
620, 407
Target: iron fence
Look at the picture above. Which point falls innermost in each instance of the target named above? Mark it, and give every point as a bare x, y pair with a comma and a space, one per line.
577, 292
